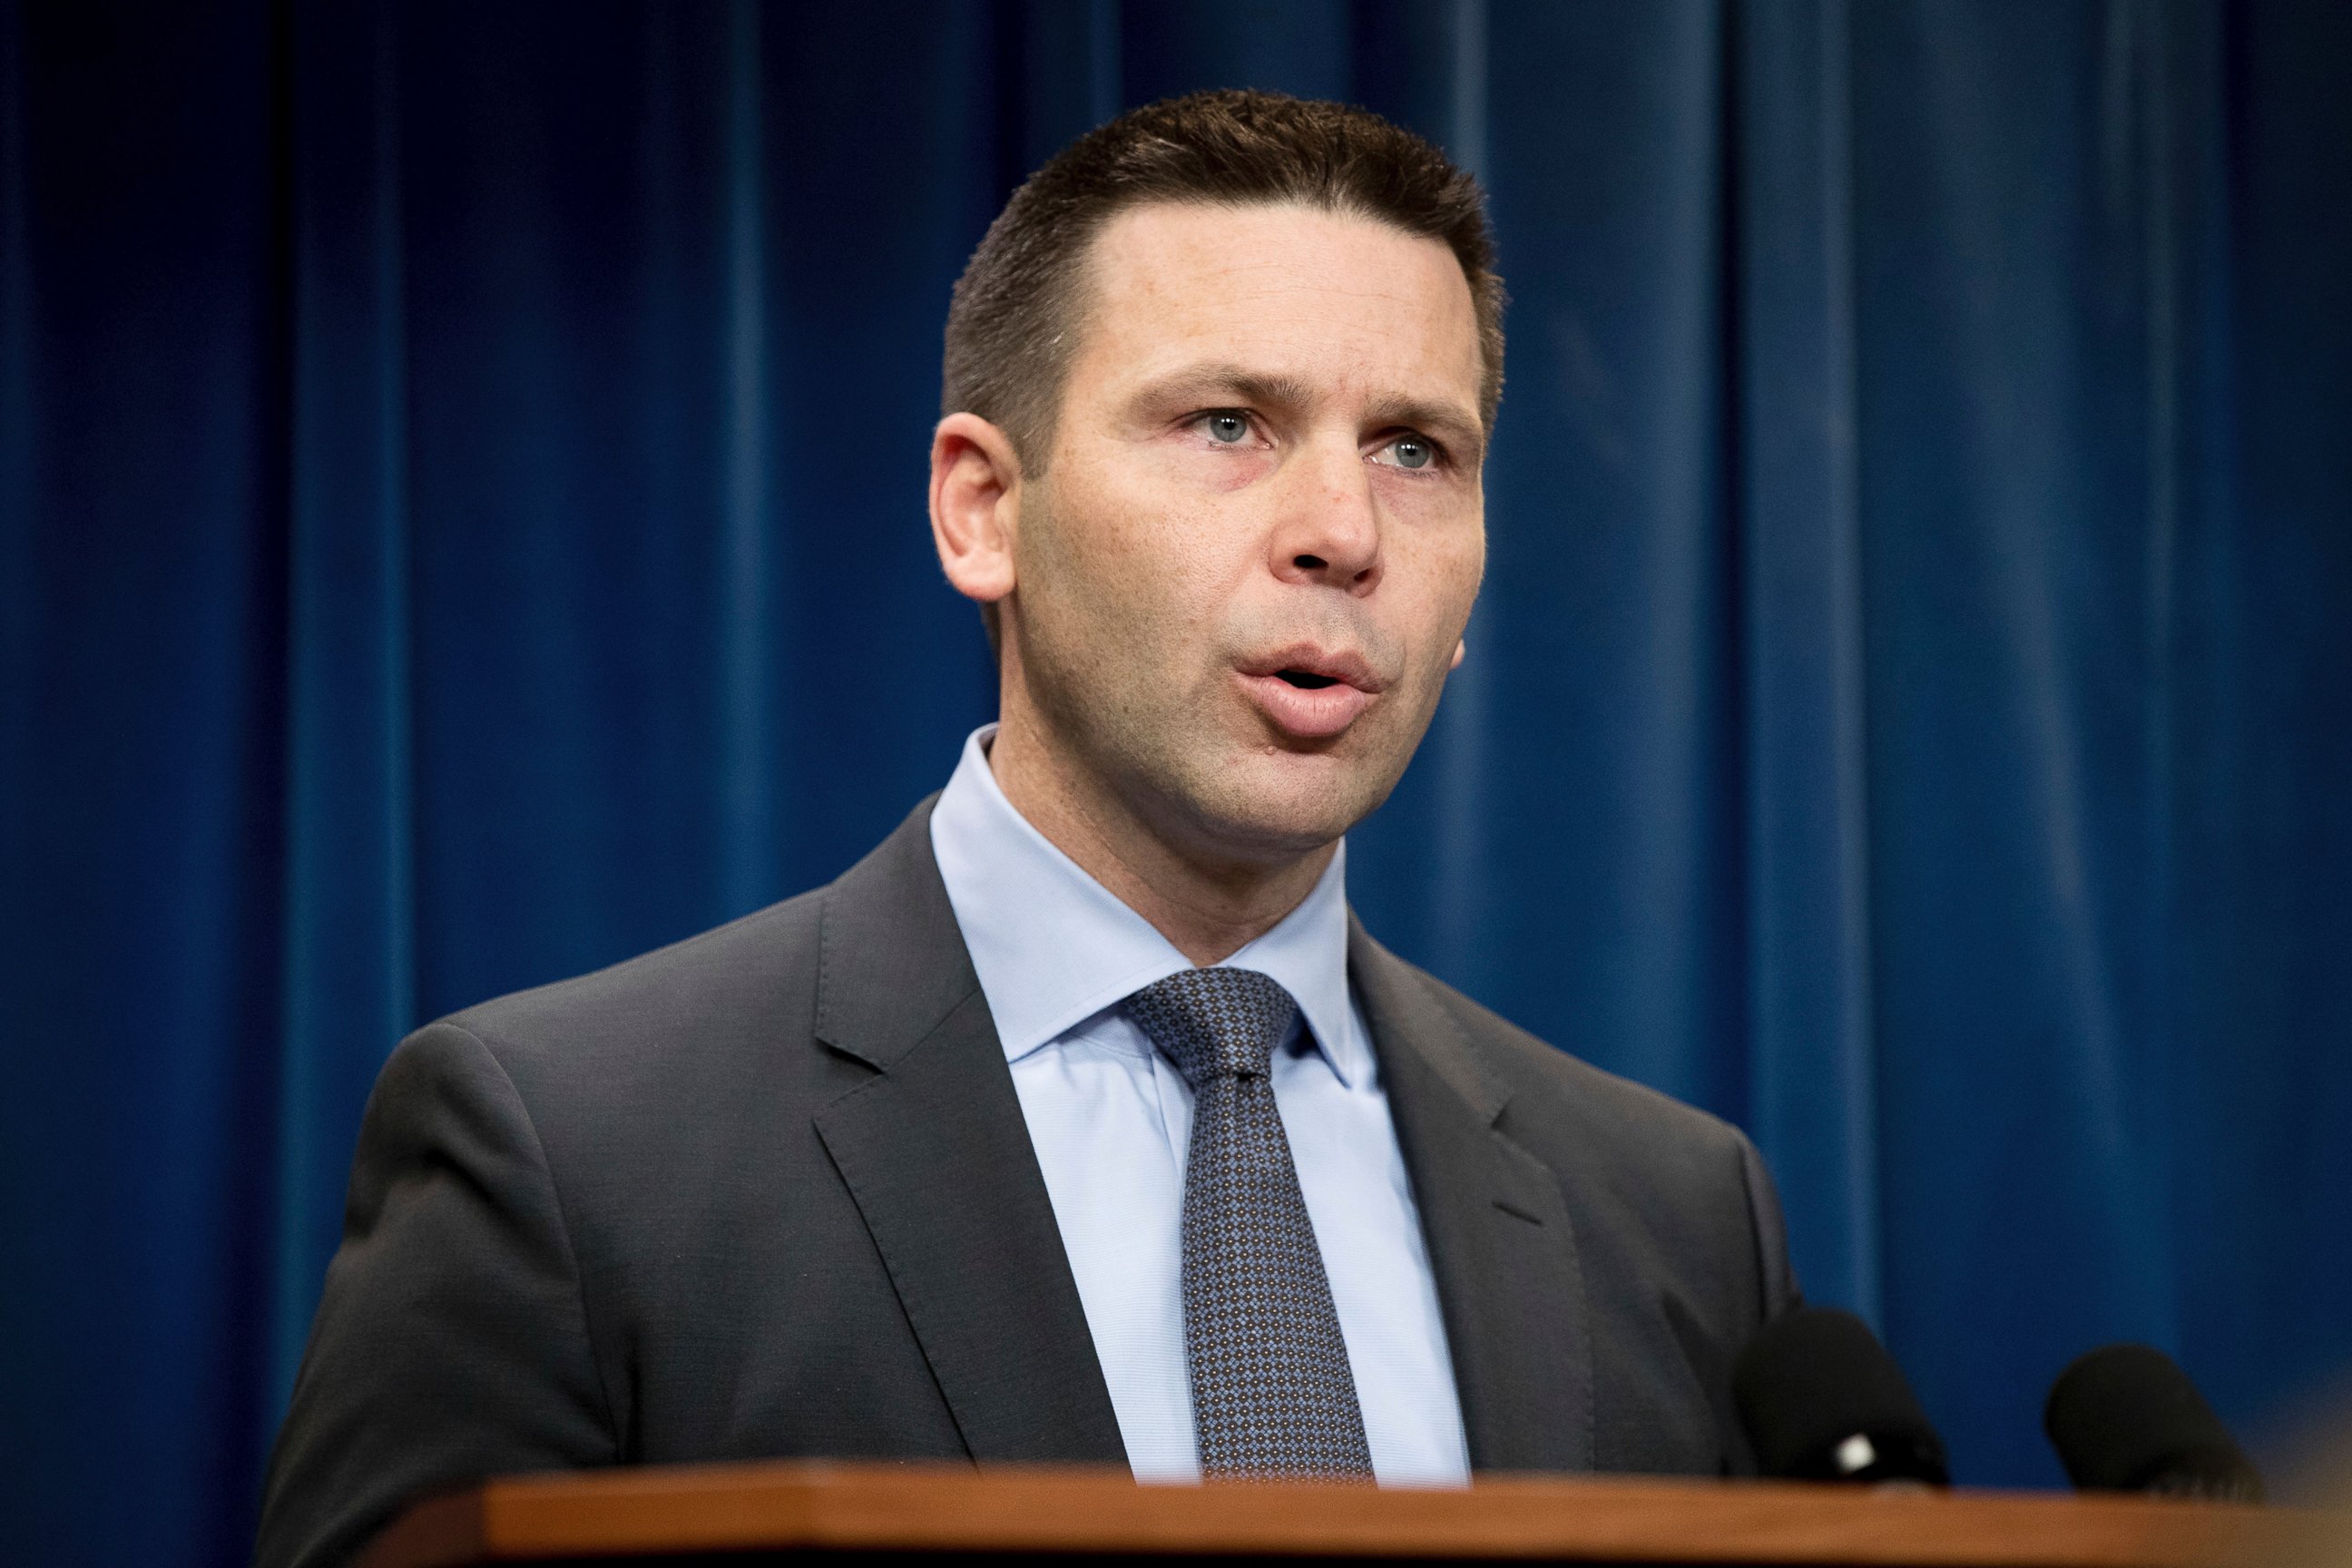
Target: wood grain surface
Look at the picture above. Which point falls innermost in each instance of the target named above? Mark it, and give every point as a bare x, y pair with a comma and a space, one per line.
795, 1506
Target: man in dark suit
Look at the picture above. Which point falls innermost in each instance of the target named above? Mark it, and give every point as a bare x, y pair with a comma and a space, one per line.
1080, 1121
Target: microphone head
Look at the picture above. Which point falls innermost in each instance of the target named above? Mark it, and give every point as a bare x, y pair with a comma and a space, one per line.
2127, 1418
1822, 1400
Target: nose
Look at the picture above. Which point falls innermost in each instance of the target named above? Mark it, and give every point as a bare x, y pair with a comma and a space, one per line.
1328, 532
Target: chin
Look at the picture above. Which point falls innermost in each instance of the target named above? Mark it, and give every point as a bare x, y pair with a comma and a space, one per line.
1282, 804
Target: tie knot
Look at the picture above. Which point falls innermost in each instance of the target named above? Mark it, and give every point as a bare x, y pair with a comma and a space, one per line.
1212, 1022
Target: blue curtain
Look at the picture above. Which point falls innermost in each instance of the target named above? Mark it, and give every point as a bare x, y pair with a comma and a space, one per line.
461, 476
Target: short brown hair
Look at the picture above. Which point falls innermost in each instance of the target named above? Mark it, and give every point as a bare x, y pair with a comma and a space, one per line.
1009, 337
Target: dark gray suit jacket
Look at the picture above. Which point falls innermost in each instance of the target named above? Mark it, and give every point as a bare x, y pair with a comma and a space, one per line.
770, 1193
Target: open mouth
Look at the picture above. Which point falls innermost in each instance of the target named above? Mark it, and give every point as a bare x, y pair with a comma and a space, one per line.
1315, 699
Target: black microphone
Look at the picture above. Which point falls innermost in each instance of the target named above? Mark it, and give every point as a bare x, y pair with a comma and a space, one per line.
1822, 1401
2127, 1419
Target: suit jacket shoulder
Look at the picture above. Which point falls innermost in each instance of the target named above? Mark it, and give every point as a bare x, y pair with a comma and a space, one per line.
765, 1192
682, 1036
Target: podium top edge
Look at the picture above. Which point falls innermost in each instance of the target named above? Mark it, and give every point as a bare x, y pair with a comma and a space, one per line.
947, 1509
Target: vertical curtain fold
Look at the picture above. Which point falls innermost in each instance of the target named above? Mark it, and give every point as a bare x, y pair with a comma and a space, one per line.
349, 978
1811, 1036
750, 812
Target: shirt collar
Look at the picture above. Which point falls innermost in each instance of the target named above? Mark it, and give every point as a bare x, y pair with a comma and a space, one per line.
1054, 947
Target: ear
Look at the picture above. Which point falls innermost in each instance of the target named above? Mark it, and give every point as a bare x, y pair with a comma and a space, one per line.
975, 505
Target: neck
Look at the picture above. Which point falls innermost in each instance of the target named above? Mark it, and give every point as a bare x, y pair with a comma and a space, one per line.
1207, 906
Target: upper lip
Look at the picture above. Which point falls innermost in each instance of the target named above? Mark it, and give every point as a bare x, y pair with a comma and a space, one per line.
1345, 666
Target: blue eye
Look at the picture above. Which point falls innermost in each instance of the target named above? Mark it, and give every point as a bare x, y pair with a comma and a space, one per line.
1228, 428
1412, 452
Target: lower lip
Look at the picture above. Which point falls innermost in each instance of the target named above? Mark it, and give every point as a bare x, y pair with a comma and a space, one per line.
1313, 715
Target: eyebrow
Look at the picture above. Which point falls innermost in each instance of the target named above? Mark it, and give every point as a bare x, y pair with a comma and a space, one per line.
1243, 386
1456, 426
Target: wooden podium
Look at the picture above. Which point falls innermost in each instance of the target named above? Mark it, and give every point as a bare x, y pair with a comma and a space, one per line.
797, 1511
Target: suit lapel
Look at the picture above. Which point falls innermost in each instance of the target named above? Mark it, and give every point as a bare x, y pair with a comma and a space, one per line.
937, 1158
1500, 1239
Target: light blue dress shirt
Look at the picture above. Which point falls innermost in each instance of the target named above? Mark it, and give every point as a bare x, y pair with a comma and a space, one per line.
1057, 955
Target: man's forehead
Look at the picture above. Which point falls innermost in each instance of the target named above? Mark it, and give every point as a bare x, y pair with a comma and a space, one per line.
1281, 293
1205, 253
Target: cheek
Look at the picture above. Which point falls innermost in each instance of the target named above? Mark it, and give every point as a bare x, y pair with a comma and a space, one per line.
1163, 544
1444, 565
1138, 574
1471, 572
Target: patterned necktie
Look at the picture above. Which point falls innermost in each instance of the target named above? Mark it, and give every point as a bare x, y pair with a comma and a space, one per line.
1272, 1395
